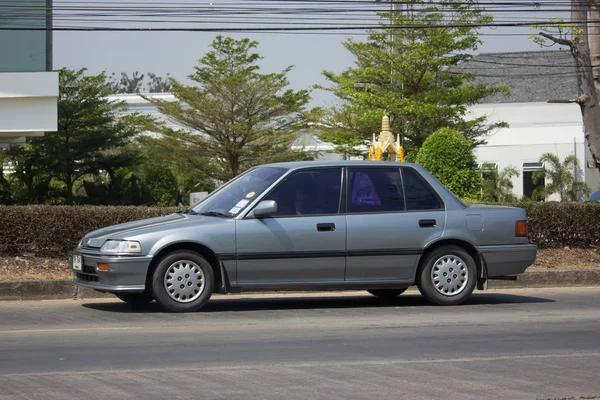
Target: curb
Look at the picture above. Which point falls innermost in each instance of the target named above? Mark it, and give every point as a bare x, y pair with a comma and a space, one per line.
66, 289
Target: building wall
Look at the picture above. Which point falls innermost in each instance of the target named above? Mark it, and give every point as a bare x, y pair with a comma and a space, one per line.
535, 129
28, 91
25, 51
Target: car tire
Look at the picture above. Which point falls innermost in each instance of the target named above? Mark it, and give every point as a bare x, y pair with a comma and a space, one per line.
386, 294
136, 299
183, 282
447, 276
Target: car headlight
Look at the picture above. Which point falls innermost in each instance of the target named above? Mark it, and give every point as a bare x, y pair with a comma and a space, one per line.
121, 246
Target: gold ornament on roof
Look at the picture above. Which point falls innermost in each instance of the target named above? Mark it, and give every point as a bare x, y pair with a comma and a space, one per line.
386, 143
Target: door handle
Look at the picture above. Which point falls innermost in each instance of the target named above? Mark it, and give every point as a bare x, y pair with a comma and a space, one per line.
326, 227
427, 223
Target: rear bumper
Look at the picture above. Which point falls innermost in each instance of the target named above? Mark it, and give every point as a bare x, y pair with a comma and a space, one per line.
125, 274
508, 260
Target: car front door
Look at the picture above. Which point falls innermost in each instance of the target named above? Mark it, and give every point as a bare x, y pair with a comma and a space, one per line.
392, 214
304, 241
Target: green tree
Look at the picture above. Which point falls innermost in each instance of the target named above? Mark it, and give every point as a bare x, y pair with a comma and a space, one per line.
497, 186
162, 184
448, 156
234, 117
92, 137
559, 178
405, 73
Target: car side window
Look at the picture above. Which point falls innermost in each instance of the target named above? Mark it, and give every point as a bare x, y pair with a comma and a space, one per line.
309, 192
375, 190
419, 196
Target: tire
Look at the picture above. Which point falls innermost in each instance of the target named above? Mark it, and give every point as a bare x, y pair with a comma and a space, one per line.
447, 263
387, 294
183, 268
136, 299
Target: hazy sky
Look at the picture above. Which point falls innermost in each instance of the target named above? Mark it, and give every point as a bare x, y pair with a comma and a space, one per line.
178, 52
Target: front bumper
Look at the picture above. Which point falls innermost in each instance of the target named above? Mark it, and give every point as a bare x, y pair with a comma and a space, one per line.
509, 259
125, 274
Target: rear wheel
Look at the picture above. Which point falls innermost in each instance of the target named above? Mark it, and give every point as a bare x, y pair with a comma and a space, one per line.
136, 299
183, 282
386, 294
447, 276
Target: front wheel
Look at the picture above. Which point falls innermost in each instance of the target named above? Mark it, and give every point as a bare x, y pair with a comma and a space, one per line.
183, 282
447, 276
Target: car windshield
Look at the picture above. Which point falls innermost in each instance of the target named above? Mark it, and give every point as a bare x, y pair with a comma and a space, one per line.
235, 195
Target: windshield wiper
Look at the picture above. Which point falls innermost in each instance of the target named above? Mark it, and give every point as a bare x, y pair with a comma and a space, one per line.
187, 211
214, 214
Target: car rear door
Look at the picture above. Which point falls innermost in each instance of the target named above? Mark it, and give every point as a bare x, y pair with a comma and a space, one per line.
392, 213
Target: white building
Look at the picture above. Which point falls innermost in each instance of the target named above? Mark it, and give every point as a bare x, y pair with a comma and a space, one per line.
28, 88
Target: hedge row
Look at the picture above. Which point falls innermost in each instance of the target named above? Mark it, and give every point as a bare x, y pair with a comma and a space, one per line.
53, 231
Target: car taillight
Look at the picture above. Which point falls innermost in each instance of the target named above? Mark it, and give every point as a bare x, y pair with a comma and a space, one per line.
521, 229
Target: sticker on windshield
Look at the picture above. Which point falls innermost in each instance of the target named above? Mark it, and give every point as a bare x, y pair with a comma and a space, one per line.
250, 195
242, 203
235, 210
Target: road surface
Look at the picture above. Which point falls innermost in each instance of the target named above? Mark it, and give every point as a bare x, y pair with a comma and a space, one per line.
511, 344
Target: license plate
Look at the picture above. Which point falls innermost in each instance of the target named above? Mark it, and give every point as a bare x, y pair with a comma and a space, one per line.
77, 262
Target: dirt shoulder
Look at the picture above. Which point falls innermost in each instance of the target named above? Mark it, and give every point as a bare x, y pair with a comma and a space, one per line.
40, 268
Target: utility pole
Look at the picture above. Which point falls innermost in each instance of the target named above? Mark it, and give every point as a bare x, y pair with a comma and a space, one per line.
594, 40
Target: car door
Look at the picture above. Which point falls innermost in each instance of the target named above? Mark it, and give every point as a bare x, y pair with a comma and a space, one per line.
392, 214
304, 241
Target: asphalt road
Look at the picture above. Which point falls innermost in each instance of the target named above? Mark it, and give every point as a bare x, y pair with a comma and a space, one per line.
518, 344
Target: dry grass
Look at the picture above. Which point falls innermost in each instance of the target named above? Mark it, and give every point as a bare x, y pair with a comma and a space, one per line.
31, 267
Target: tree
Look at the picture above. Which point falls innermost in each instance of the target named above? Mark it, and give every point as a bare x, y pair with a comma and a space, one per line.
92, 136
159, 85
497, 186
136, 83
560, 178
578, 45
405, 72
448, 156
127, 84
235, 117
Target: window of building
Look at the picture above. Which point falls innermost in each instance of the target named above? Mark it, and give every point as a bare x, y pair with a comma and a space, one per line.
419, 195
529, 185
375, 190
309, 192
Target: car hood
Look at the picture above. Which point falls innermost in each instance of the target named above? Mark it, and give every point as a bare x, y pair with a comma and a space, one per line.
96, 239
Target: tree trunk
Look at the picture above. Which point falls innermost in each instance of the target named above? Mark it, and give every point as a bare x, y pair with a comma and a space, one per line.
594, 40
588, 98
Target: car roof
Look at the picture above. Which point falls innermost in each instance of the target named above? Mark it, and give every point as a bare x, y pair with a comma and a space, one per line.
343, 163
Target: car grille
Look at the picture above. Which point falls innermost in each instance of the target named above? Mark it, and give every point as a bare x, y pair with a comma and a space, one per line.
86, 277
88, 269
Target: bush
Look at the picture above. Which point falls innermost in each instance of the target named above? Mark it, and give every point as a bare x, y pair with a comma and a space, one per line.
563, 224
53, 231
448, 156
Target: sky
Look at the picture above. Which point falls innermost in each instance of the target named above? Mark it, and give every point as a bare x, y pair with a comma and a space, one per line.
177, 53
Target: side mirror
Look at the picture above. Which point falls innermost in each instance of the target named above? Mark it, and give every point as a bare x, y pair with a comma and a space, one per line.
264, 208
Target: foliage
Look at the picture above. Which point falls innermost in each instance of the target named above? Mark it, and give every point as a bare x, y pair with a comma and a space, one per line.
163, 185
448, 156
92, 137
560, 178
405, 73
124, 188
136, 83
235, 117
497, 186
55, 230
